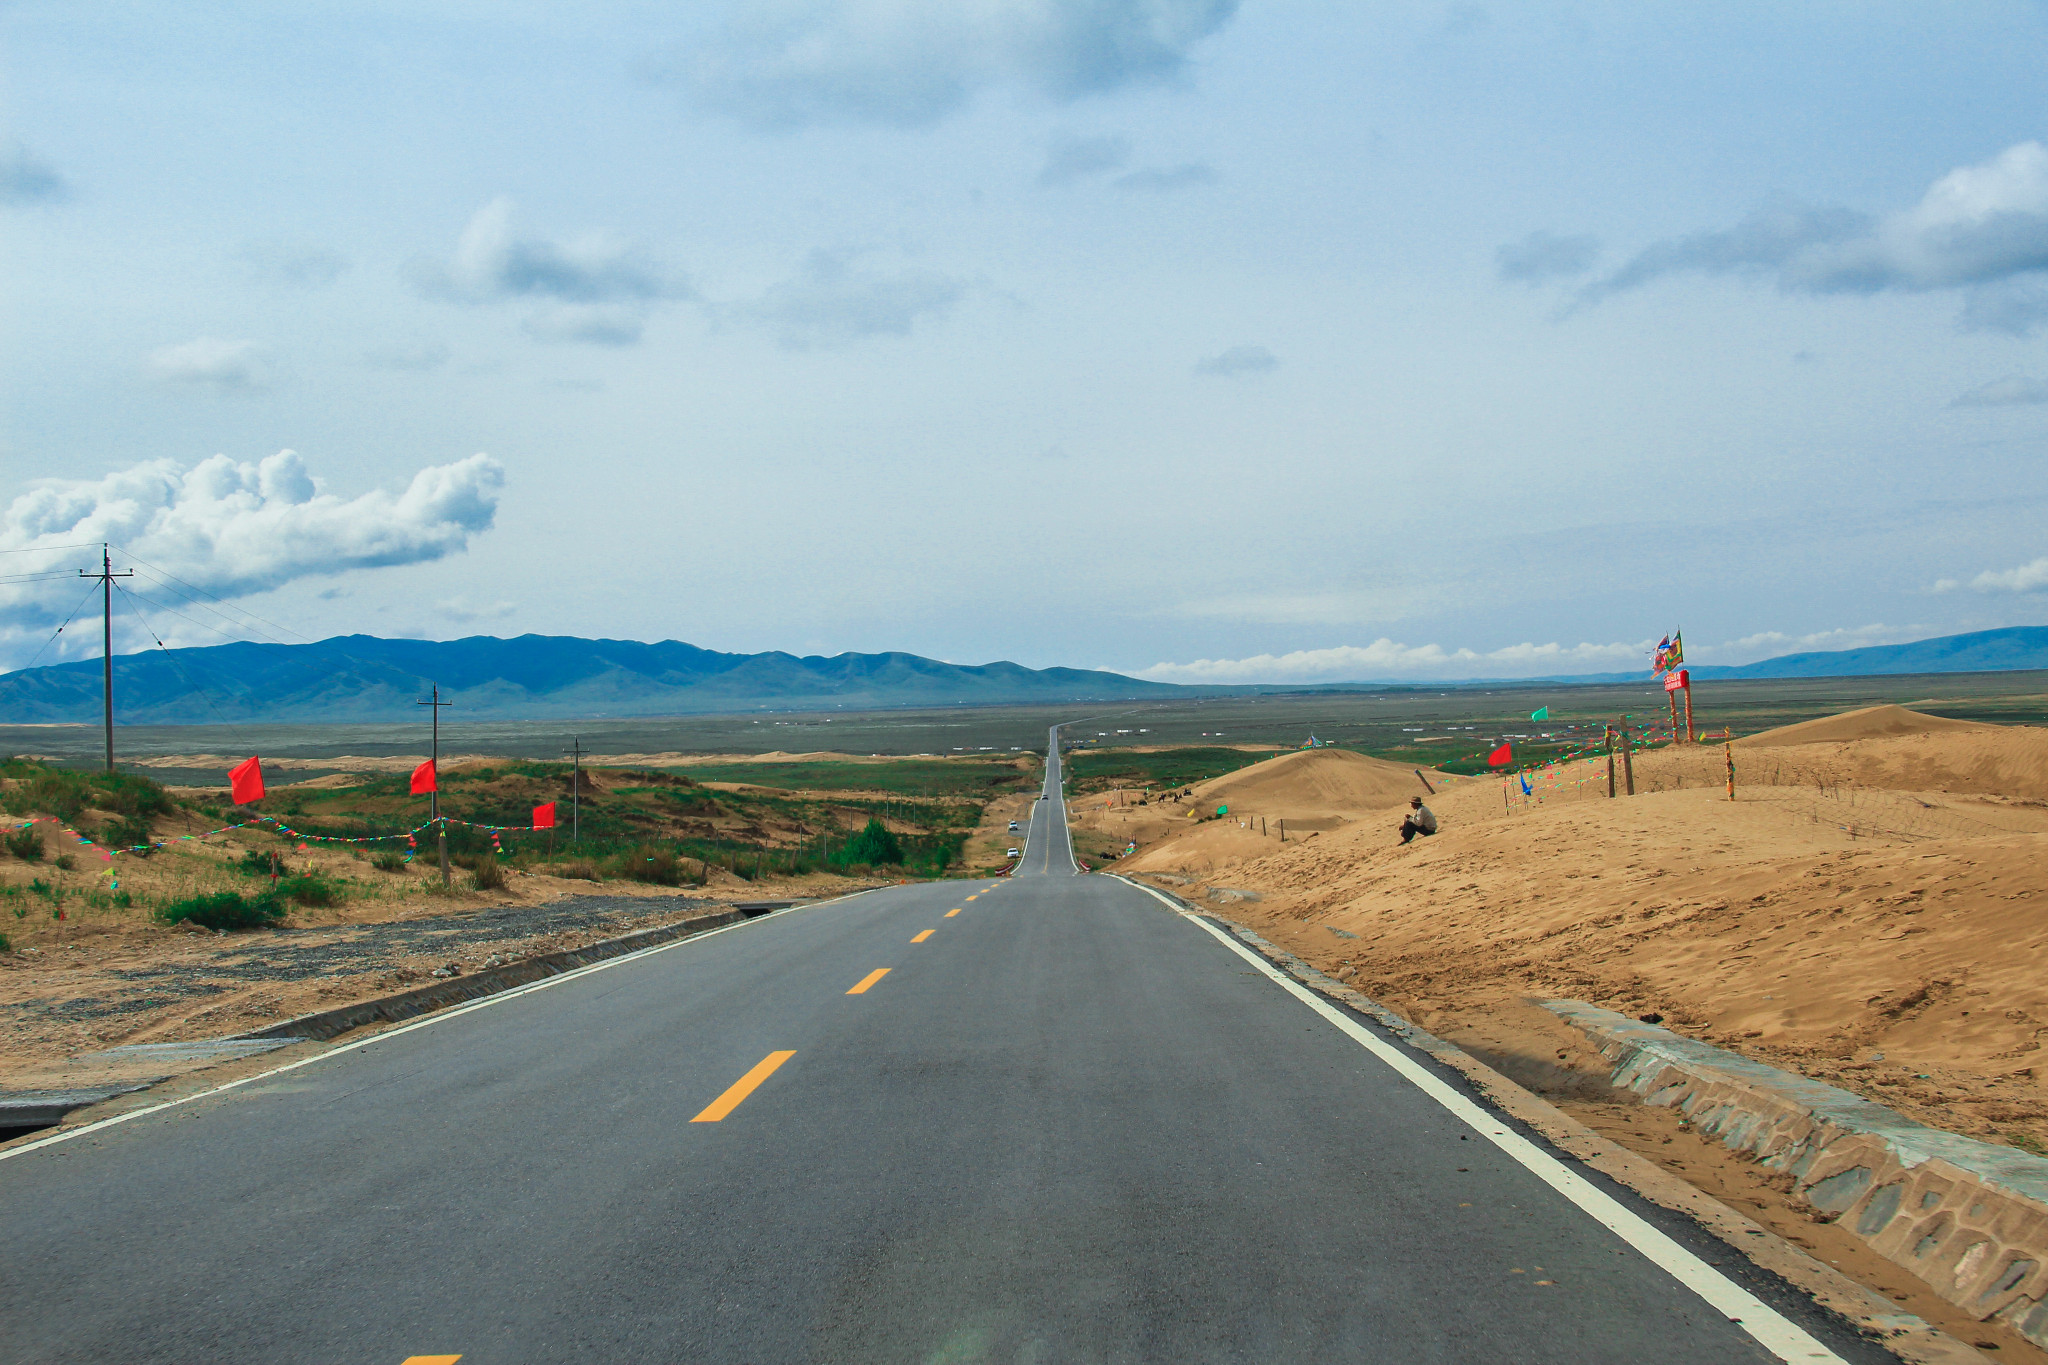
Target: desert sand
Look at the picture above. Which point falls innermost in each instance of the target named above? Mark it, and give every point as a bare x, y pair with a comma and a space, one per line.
1861, 911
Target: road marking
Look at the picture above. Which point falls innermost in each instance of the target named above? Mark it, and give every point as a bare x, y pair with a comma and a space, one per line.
870, 979
743, 1087
950, 913
430, 1360
437, 1017
1773, 1331
972, 897
923, 936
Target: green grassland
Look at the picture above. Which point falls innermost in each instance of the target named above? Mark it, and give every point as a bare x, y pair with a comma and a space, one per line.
1099, 770
928, 777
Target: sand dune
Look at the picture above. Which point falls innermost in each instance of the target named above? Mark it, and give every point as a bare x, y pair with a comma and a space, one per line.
1315, 783
1871, 722
1877, 929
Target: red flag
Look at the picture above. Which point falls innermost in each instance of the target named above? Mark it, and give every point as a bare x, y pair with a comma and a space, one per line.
245, 781
1504, 754
423, 779
544, 816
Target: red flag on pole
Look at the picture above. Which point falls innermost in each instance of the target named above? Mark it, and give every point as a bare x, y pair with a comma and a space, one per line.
423, 779
1504, 754
544, 816
245, 781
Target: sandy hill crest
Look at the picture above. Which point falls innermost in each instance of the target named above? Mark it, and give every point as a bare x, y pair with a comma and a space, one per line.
1871, 722
1315, 783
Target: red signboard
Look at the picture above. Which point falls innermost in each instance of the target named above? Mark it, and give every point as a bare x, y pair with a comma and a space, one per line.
1677, 678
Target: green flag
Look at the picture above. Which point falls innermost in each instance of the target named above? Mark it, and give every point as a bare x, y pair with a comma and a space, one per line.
1540, 713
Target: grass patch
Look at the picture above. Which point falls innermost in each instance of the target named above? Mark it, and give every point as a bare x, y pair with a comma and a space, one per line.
309, 888
980, 778
26, 844
488, 874
226, 911
1163, 768
388, 860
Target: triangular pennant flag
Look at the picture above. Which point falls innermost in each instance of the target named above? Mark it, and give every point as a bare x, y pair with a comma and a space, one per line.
245, 781
1503, 755
544, 816
423, 779
1540, 713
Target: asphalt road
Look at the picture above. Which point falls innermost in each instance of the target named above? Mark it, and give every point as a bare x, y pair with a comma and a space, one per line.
1040, 1121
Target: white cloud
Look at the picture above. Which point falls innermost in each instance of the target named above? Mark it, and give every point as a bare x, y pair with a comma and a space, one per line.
594, 287
1238, 360
2030, 577
830, 302
462, 609
1979, 226
2014, 389
233, 529
223, 365
27, 179
1385, 658
1771, 643
783, 64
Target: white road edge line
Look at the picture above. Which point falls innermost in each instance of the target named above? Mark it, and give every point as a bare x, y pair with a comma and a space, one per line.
435, 1017
1771, 1329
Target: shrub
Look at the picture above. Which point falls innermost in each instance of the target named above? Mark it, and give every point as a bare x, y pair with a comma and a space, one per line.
388, 860
581, 868
65, 862
26, 844
489, 875
226, 910
256, 863
130, 831
5, 946
874, 845
309, 888
656, 865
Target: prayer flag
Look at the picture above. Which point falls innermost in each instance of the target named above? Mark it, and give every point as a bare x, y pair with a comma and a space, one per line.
1504, 754
245, 781
423, 779
1540, 713
1527, 790
544, 816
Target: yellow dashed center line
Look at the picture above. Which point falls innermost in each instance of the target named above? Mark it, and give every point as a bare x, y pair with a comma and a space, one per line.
951, 913
430, 1360
971, 897
743, 1087
870, 979
923, 936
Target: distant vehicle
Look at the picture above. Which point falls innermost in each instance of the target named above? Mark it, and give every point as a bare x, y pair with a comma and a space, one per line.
1013, 854
1013, 827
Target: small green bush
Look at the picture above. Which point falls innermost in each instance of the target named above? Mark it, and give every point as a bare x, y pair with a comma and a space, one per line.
130, 831
5, 946
308, 888
488, 875
226, 911
256, 863
873, 847
26, 844
388, 860
657, 866
66, 863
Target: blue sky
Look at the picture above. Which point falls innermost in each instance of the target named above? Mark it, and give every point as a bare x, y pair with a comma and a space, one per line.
1191, 338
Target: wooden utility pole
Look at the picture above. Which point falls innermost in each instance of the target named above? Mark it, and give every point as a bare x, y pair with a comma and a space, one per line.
575, 750
106, 576
434, 796
1608, 739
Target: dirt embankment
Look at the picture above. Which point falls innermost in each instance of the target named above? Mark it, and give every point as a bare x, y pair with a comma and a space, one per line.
1864, 911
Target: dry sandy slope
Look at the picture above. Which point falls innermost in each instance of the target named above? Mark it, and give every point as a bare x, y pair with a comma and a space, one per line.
1881, 938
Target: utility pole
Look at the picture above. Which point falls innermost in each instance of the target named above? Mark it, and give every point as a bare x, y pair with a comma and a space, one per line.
434, 796
106, 576
575, 750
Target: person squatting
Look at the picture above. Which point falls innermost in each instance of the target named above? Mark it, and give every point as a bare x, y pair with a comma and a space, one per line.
1420, 820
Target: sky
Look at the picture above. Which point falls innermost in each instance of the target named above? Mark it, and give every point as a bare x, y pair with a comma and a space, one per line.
1201, 340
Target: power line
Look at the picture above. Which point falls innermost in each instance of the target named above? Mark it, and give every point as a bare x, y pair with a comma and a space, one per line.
166, 573
134, 605
60, 630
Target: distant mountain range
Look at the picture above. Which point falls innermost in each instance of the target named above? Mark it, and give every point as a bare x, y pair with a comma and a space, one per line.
363, 678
